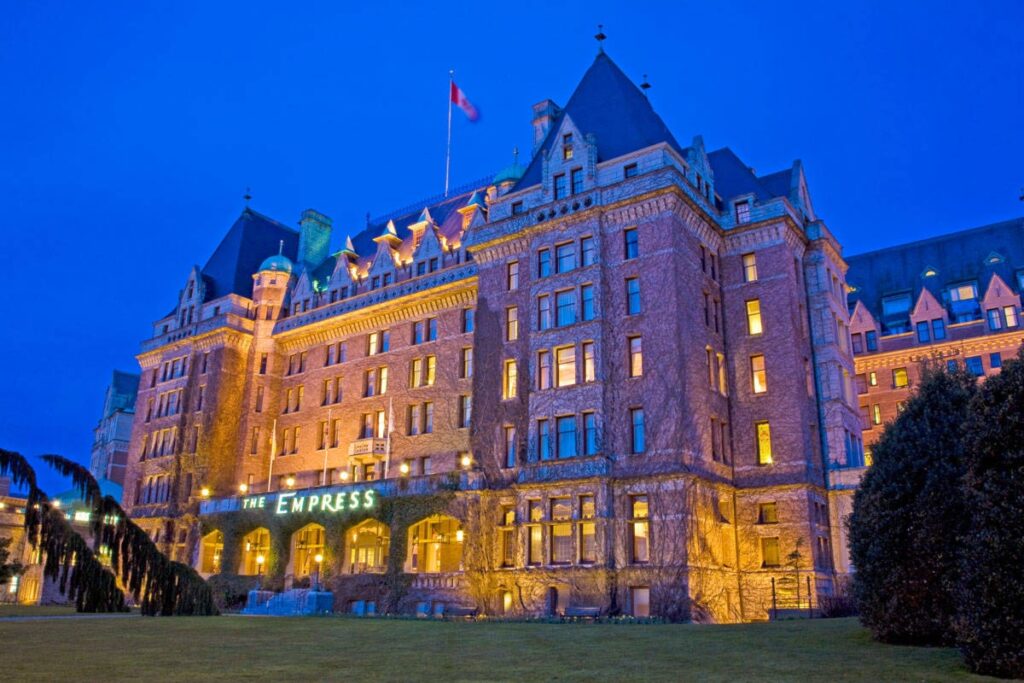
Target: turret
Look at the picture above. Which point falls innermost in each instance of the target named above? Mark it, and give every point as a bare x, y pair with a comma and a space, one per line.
270, 285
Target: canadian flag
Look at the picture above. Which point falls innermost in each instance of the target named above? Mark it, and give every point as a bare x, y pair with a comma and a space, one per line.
462, 102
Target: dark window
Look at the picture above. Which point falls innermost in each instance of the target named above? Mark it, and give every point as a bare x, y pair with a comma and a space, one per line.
517, 208
543, 263
974, 366
871, 340
630, 170
631, 243
938, 329
576, 178
561, 187
565, 257
995, 360
633, 296
922, 332
858, 342
588, 252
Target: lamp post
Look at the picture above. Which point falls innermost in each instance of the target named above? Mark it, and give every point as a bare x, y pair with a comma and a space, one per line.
260, 559
318, 558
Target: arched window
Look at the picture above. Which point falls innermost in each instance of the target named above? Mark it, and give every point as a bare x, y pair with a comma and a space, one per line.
307, 543
210, 552
435, 545
255, 547
368, 545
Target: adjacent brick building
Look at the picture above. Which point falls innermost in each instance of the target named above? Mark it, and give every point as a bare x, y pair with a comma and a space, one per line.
113, 433
619, 379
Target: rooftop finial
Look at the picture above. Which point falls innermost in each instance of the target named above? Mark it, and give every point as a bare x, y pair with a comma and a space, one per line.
600, 36
280, 248
645, 86
247, 196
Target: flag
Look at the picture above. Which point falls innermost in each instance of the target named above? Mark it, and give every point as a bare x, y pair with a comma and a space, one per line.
460, 100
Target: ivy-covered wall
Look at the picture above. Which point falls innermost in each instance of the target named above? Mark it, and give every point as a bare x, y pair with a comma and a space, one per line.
398, 513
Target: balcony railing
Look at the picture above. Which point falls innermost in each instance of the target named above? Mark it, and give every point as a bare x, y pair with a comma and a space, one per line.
368, 447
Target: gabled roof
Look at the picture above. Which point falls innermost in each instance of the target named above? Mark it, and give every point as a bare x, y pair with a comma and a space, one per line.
608, 105
957, 257
251, 239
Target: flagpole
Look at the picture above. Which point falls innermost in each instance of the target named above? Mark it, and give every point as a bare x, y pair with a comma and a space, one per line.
273, 453
448, 149
327, 447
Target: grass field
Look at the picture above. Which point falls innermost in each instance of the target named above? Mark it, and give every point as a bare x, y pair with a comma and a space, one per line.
313, 649
35, 610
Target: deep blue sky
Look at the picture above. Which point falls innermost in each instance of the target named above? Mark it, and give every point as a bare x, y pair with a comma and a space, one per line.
131, 130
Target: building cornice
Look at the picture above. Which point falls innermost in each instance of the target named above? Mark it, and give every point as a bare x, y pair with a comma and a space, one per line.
221, 336
958, 347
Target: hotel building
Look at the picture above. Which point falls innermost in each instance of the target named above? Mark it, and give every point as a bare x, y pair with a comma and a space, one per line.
620, 379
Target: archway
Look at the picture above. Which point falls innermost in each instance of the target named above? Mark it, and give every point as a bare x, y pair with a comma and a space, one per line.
307, 543
255, 548
211, 550
435, 546
368, 544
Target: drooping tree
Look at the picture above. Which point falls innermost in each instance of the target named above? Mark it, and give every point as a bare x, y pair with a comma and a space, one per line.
70, 562
908, 514
8, 569
161, 586
990, 625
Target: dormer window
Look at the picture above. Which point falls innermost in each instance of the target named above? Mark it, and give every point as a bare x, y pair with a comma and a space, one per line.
191, 290
630, 170
743, 211
517, 208
560, 186
567, 146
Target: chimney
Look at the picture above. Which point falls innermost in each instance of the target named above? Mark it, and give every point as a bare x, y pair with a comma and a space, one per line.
314, 238
544, 115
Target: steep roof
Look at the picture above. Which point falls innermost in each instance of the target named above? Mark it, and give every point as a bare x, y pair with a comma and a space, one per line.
733, 177
956, 257
607, 104
251, 239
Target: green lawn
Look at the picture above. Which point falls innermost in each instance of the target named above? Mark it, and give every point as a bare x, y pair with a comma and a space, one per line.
35, 610
310, 649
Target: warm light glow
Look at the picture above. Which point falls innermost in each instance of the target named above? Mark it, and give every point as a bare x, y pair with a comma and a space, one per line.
466, 461
56, 503
3, 505
204, 492
344, 475
260, 559
318, 558
243, 487
404, 468
460, 535
289, 482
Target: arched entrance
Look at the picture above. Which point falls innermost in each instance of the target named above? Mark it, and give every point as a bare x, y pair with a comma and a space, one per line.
435, 546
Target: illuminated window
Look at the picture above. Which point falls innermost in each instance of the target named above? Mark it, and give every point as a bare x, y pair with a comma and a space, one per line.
770, 552
467, 363
510, 381
639, 527
368, 544
435, 546
876, 414
587, 530
508, 541
899, 378
749, 268
757, 374
764, 443
767, 513
211, 552
255, 544
560, 531
754, 317
308, 542
636, 356
565, 364
535, 532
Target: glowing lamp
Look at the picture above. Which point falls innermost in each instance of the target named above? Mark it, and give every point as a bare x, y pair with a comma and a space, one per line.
204, 492
460, 535
243, 487
260, 560
3, 505
404, 468
289, 482
466, 461
56, 503
318, 558
344, 475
